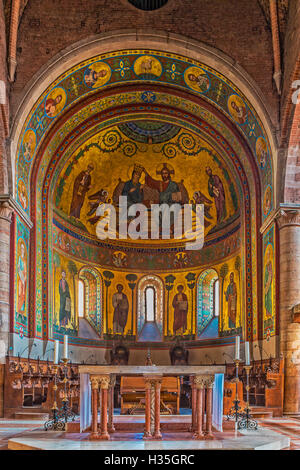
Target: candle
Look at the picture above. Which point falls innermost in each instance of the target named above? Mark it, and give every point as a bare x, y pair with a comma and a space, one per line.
56, 348
237, 347
65, 356
247, 353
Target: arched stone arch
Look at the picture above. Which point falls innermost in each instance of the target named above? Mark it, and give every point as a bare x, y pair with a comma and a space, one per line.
168, 42
237, 138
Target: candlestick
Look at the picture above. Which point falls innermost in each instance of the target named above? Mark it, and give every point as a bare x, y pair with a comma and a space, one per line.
237, 348
66, 413
246, 421
247, 353
55, 423
65, 355
56, 348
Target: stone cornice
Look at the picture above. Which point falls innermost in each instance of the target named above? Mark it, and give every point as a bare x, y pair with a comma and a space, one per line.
285, 214
286, 218
8, 205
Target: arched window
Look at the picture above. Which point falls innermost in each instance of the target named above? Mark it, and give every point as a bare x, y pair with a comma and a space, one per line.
148, 5
89, 297
81, 308
208, 304
150, 304
150, 309
216, 298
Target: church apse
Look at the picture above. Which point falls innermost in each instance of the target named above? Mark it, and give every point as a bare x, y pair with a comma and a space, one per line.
153, 145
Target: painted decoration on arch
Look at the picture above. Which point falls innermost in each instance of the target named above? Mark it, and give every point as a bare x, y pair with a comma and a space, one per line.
97, 74
22, 194
237, 109
147, 65
72, 245
196, 79
65, 273
55, 102
267, 201
21, 278
29, 145
261, 149
231, 316
223, 93
269, 289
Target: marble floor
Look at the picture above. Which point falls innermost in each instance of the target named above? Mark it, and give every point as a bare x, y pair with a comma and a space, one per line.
273, 434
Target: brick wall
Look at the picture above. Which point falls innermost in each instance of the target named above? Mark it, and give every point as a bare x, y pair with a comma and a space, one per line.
291, 63
236, 27
290, 112
2, 366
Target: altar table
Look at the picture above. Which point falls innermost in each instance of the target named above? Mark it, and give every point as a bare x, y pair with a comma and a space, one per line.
98, 382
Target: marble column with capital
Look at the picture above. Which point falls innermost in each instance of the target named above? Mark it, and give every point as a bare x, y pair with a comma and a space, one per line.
94, 397
157, 433
209, 384
147, 430
111, 428
198, 387
104, 384
288, 222
194, 404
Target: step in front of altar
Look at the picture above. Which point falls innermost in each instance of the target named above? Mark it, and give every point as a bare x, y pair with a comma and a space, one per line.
28, 415
136, 423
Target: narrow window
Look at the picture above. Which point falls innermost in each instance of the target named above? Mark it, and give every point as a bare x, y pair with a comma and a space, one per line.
148, 5
150, 304
216, 298
80, 299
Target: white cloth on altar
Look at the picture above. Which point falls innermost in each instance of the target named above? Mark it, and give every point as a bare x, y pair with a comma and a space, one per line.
217, 406
85, 402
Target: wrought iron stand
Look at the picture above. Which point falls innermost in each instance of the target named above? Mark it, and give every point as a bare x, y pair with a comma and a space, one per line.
246, 421
55, 423
243, 419
65, 413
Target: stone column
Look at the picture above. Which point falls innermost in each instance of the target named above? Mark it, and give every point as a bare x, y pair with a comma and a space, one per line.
104, 384
198, 385
204, 407
157, 433
209, 383
5, 222
95, 385
147, 431
194, 404
111, 428
289, 278
152, 405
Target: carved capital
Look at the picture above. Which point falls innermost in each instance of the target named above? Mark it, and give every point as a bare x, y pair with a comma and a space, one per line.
104, 381
152, 381
148, 383
112, 381
288, 217
6, 211
204, 381
94, 383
